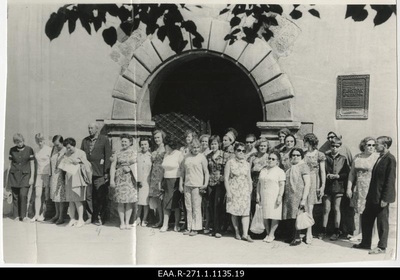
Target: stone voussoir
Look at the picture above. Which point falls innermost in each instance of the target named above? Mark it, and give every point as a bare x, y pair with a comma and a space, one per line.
254, 54
278, 89
136, 72
147, 55
236, 49
266, 70
203, 27
125, 90
219, 29
123, 110
280, 110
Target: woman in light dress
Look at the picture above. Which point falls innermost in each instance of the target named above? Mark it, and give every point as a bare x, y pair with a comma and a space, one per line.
360, 177
270, 189
144, 169
57, 180
239, 186
290, 143
123, 181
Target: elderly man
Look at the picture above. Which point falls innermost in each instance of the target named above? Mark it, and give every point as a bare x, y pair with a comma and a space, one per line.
98, 152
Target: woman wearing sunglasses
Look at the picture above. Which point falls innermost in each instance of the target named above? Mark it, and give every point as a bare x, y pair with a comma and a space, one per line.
297, 187
360, 177
270, 188
238, 186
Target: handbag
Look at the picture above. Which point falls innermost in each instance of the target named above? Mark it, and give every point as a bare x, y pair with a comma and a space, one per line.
257, 224
304, 220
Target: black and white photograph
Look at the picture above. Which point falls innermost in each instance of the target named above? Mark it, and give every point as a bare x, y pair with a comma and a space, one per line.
199, 133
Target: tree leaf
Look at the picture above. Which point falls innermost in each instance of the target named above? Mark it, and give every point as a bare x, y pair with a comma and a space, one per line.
235, 21
251, 35
173, 15
127, 27
176, 42
54, 25
151, 28
272, 21
224, 11
314, 12
228, 37
162, 33
237, 30
85, 24
110, 36
296, 5
238, 9
124, 13
97, 23
356, 12
112, 9
276, 9
71, 25
189, 26
268, 34
265, 8
295, 14
197, 40
383, 13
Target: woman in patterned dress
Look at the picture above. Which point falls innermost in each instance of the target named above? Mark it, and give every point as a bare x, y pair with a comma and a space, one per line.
297, 187
316, 162
360, 177
290, 143
156, 176
57, 179
239, 186
123, 181
257, 162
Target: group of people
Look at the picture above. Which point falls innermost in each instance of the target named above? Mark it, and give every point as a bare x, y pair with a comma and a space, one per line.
215, 183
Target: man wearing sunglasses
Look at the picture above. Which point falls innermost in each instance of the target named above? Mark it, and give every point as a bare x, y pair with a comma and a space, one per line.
343, 150
382, 191
250, 143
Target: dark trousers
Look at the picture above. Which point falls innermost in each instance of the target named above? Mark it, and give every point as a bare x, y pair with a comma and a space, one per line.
372, 212
20, 200
347, 223
99, 198
88, 204
216, 200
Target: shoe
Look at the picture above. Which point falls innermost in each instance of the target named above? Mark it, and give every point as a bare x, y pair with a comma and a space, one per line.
144, 224
177, 229
270, 239
266, 238
59, 222
218, 235
17, 219
307, 240
237, 236
128, 226
361, 246
52, 220
356, 238
163, 229
295, 242
377, 250
40, 219
80, 224
88, 221
34, 219
122, 226
138, 221
157, 225
72, 223
193, 233
186, 232
247, 238
133, 225
334, 237
206, 231
26, 220
321, 236
97, 223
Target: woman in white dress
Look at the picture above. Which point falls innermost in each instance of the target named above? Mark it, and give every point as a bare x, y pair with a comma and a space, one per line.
270, 188
144, 170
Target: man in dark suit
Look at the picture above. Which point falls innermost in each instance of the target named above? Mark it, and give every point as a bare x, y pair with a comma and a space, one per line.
382, 191
98, 152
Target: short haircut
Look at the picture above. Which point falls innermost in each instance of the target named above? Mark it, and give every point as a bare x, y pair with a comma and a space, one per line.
386, 140
298, 150
142, 139
239, 144
204, 136
59, 138
126, 136
39, 137
163, 134
277, 153
171, 142
195, 141
337, 140
192, 132
215, 138
364, 142
252, 136
18, 137
311, 139
291, 135
69, 141
262, 140
285, 131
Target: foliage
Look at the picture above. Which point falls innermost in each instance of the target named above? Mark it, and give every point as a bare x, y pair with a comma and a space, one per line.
247, 21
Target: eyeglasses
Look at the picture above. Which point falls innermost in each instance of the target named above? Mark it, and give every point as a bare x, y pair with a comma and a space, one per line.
335, 146
371, 145
330, 137
296, 155
240, 150
270, 158
249, 142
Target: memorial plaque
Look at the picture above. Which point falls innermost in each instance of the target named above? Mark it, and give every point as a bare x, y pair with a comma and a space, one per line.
352, 97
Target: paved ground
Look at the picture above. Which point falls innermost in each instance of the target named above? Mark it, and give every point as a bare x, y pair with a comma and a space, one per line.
40, 243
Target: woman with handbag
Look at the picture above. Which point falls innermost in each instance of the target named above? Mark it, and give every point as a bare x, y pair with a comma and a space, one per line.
122, 181
270, 189
297, 187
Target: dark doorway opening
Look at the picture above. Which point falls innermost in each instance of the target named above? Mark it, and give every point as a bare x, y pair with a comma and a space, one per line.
215, 91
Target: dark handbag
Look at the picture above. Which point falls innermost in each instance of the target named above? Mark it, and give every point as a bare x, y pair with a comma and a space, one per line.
304, 220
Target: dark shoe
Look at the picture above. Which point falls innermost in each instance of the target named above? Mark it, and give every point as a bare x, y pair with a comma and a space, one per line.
377, 250
361, 246
59, 222
334, 237
295, 242
322, 236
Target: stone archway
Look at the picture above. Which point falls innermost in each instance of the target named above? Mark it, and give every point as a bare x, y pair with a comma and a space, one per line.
132, 92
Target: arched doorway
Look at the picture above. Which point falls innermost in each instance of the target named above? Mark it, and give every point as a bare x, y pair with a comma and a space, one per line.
206, 93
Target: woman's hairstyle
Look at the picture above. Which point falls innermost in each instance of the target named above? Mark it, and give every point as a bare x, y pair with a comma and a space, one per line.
298, 150
239, 144
142, 139
262, 140
126, 136
204, 136
386, 140
195, 142
39, 137
311, 139
232, 134
17, 137
192, 132
285, 131
71, 141
277, 153
291, 135
171, 142
215, 138
364, 142
163, 134
59, 138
